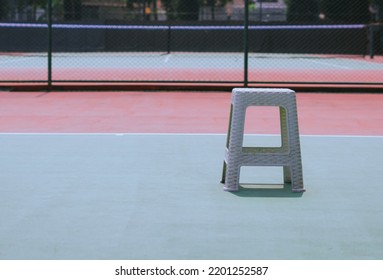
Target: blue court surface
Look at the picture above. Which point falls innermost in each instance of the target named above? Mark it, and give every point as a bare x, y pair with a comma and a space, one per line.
158, 196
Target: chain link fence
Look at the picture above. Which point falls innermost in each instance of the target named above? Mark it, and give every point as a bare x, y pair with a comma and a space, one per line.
191, 41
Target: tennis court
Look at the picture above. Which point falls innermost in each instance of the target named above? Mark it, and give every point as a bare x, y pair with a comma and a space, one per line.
135, 175
192, 67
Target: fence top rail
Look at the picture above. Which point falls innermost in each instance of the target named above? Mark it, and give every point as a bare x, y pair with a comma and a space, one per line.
182, 27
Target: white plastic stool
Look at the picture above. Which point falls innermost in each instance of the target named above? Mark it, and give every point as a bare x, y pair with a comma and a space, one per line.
288, 155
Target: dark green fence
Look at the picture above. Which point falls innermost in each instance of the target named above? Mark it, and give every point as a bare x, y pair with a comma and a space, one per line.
206, 42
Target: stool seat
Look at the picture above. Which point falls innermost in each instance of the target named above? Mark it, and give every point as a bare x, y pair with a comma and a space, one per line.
288, 155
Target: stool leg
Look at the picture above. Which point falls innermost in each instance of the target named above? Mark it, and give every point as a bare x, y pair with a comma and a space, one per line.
296, 165
234, 147
295, 151
227, 145
284, 142
232, 177
297, 177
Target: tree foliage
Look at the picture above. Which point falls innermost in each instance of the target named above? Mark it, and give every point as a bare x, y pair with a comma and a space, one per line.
3, 9
214, 3
188, 9
340, 11
378, 7
303, 12
337, 11
347, 11
72, 9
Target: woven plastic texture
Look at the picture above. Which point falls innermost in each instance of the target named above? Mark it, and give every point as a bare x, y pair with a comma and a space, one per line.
288, 155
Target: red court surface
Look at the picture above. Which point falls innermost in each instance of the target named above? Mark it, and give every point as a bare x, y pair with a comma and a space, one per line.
342, 76
179, 112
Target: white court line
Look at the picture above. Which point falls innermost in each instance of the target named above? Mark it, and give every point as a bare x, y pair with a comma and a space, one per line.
167, 57
172, 134
332, 65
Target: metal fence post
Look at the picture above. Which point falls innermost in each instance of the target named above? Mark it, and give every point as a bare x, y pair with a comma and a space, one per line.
169, 38
49, 44
246, 44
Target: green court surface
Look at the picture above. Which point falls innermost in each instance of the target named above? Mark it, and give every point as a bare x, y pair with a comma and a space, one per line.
158, 196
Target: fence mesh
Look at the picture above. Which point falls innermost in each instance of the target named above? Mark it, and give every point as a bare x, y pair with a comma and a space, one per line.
191, 41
